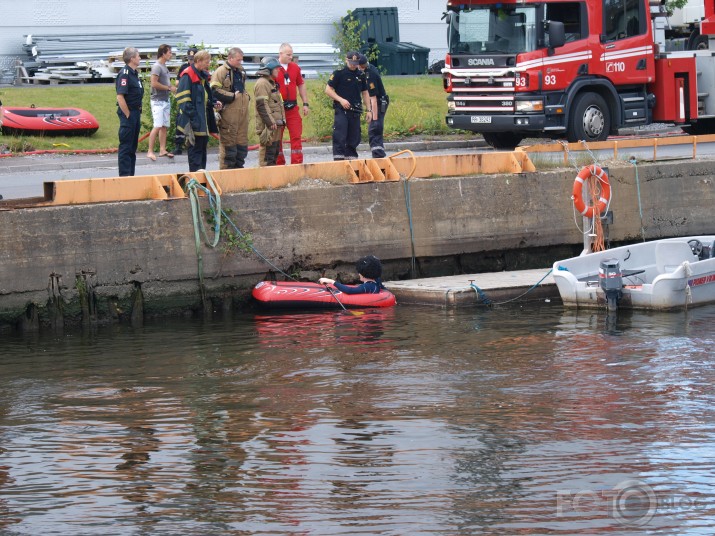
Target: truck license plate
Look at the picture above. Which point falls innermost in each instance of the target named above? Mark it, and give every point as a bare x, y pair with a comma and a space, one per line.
481, 119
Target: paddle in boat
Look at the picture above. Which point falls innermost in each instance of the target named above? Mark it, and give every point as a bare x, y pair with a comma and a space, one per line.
670, 273
292, 294
34, 121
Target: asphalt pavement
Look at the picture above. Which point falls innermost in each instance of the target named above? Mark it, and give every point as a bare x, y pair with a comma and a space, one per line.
23, 176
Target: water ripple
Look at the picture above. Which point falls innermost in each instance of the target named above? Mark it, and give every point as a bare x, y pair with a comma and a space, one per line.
408, 421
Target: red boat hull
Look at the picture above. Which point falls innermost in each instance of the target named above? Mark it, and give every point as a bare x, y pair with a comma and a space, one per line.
48, 121
290, 294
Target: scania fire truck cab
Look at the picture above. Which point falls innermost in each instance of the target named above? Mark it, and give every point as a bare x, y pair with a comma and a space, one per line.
562, 68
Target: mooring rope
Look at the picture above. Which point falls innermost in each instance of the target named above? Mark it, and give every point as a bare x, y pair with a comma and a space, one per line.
482, 295
258, 253
408, 204
634, 163
214, 200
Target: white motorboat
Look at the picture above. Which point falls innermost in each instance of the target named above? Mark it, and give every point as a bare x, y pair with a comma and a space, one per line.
671, 273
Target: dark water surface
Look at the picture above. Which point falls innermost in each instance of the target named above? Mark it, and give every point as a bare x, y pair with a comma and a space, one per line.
408, 421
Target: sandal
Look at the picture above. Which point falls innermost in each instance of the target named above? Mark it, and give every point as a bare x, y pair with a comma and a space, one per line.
170, 155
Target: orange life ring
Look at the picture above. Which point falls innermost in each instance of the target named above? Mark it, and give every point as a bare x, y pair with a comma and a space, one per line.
577, 194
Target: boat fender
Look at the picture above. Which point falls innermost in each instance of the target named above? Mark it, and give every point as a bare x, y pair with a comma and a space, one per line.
577, 193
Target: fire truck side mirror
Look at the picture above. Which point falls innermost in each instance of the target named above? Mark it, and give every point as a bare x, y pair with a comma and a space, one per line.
557, 35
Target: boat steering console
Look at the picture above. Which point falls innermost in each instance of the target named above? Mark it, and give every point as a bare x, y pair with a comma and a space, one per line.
702, 251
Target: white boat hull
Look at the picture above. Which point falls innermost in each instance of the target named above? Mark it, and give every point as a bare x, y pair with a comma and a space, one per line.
662, 274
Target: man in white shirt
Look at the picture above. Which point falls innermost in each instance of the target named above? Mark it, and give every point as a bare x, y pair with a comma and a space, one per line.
161, 88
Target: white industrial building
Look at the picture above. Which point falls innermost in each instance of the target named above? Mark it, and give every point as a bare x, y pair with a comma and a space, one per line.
235, 22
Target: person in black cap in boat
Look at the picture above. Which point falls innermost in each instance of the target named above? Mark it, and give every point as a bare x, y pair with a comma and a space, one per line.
370, 271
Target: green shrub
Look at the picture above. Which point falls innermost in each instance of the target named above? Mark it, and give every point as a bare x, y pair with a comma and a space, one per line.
321, 110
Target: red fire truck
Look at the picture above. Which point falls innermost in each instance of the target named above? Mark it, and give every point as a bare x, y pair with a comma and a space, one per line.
572, 69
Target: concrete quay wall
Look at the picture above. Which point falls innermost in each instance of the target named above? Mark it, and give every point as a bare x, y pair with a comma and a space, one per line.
123, 261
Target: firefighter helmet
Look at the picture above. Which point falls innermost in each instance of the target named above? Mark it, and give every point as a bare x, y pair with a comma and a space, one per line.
269, 63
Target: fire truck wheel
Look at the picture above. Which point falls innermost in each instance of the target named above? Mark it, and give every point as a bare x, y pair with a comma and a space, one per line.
502, 140
697, 41
590, 119
700, 127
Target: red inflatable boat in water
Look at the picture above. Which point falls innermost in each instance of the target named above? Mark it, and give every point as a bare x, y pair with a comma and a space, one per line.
291, 294
47, 121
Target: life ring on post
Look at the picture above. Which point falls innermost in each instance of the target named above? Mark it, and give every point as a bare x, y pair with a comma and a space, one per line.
577, 194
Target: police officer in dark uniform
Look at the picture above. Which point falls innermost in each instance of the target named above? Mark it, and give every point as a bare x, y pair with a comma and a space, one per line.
347, 87
380, 101
130, 93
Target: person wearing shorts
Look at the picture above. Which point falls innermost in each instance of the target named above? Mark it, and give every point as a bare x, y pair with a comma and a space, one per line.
160, 105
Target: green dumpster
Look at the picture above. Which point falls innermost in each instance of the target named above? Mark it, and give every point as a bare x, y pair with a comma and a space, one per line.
379, 24
402, 58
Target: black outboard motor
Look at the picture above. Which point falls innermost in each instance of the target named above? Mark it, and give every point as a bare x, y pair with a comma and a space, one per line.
611, 279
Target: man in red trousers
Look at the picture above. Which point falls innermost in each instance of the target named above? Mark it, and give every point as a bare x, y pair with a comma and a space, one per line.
291, 83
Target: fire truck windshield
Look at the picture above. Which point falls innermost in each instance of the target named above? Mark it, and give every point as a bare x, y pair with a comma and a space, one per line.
492, 29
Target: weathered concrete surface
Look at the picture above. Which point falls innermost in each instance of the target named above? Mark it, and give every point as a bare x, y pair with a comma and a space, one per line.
124, 260
457, 290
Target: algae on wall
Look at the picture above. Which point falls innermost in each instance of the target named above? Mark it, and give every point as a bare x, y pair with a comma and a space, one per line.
106, 262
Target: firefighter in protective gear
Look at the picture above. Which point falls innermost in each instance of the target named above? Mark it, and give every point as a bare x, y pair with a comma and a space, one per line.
196, 109
179, 137
229, 86
270, 117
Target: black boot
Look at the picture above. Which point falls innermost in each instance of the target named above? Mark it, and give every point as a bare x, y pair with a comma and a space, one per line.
272, 153
179, 144
241, 154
